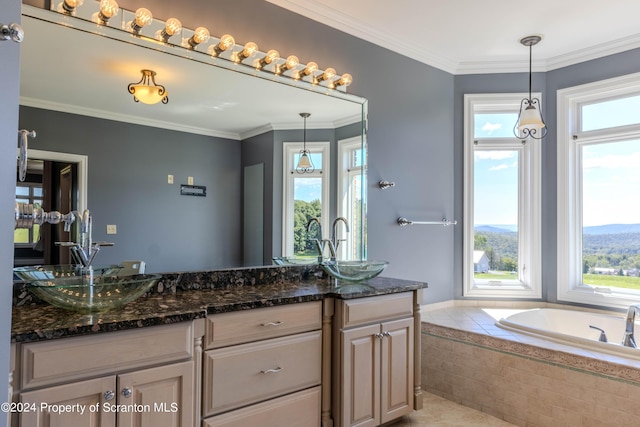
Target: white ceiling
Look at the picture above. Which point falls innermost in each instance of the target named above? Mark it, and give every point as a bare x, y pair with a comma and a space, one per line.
472, 36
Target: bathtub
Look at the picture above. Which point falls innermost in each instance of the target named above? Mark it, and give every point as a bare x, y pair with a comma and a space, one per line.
572, 327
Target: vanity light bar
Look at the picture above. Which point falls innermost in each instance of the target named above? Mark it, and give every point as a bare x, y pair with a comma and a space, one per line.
141, 24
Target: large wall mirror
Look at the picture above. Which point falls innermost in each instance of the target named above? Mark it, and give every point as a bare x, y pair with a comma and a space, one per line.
223, 128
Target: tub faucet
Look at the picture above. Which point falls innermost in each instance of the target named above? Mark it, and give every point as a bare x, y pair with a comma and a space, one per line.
629, 340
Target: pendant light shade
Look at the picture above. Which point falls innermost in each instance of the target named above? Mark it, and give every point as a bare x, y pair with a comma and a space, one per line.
530, 123
305, 165
147, 90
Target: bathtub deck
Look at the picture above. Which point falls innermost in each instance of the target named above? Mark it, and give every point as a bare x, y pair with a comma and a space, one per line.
476, 325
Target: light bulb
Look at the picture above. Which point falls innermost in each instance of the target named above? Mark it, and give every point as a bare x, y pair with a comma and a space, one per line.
200, 35
270, 57
226, 42
108, 9
328, 74
143, 18
171, 27
310, 69
248, 50
345, 80
69, 6
292, 62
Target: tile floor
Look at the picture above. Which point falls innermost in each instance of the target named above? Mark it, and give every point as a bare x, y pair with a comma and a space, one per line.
439, 412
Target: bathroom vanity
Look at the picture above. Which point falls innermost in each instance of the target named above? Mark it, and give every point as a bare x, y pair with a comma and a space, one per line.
277, 351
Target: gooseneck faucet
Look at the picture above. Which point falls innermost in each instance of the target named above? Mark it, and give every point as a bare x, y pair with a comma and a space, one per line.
318, 241
334, 234
629, 340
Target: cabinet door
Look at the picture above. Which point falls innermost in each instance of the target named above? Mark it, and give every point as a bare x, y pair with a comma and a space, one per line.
85, 400
361, 376
157, 397
396, 378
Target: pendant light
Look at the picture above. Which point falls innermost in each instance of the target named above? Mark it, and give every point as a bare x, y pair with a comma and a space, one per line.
530, 123
147, 90
305, 165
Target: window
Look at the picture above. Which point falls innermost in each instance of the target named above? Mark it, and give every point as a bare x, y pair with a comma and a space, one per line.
501, 201
305, 196
598, 181
351, 195
30, 193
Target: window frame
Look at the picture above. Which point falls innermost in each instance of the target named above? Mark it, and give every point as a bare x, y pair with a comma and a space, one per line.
289, 150
346, 172
529, 212
569, 192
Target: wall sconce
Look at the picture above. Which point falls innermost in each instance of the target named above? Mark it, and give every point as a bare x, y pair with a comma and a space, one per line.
147, 91
108, 9
248, 50
143, 18
305, 165
200, 35
171, 28
226, 42
290, 63
530, 122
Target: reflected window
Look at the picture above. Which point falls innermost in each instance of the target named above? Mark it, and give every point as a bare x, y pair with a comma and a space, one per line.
305, 196
352, 198
30, 193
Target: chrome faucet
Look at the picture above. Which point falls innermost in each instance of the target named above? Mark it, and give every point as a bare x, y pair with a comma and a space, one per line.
318, 241
629, 340
334, 234
84, 250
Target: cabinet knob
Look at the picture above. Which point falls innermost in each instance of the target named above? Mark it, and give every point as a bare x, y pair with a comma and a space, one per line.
108, 395
126, 392
379, 335
386, 334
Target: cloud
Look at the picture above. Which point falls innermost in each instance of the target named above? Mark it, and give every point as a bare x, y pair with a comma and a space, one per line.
493, 155
490, 127
612, 161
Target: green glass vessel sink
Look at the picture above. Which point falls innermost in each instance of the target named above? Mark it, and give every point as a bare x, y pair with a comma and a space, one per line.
92, 292
354, 271
47, 272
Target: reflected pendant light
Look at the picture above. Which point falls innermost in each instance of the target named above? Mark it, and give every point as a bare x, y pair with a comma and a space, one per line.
530, 123
147, 91
305, 165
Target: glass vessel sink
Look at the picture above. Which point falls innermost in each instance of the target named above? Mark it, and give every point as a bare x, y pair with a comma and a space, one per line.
354, 271
294, 260
47, 272
92, 292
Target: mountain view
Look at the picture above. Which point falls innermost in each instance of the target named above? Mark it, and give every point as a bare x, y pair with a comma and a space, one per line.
611, 246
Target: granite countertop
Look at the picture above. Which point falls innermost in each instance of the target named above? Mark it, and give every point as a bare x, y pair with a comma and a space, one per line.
35, 322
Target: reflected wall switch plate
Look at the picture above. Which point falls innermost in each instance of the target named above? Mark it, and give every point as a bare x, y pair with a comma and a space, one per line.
170, 179
189, 180
112, 229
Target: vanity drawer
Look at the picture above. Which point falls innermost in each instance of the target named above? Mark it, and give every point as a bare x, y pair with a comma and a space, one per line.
361, 311
68, 359
262, 323
301, 409
249, 373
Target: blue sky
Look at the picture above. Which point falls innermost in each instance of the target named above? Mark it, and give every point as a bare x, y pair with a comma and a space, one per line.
611, 171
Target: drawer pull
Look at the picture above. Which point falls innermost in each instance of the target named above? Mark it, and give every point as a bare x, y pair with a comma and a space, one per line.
278, 323
272, 371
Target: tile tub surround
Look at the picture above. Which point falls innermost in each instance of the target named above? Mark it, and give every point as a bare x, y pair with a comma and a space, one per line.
195, 295
520, 378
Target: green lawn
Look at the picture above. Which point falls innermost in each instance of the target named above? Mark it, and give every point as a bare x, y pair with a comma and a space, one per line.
611, 281
496, 275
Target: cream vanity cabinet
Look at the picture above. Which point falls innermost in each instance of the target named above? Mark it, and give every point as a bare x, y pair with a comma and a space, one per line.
263, 367
143, 377
373, 360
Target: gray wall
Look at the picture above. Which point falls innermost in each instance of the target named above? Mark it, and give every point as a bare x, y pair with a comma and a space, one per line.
127, 186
